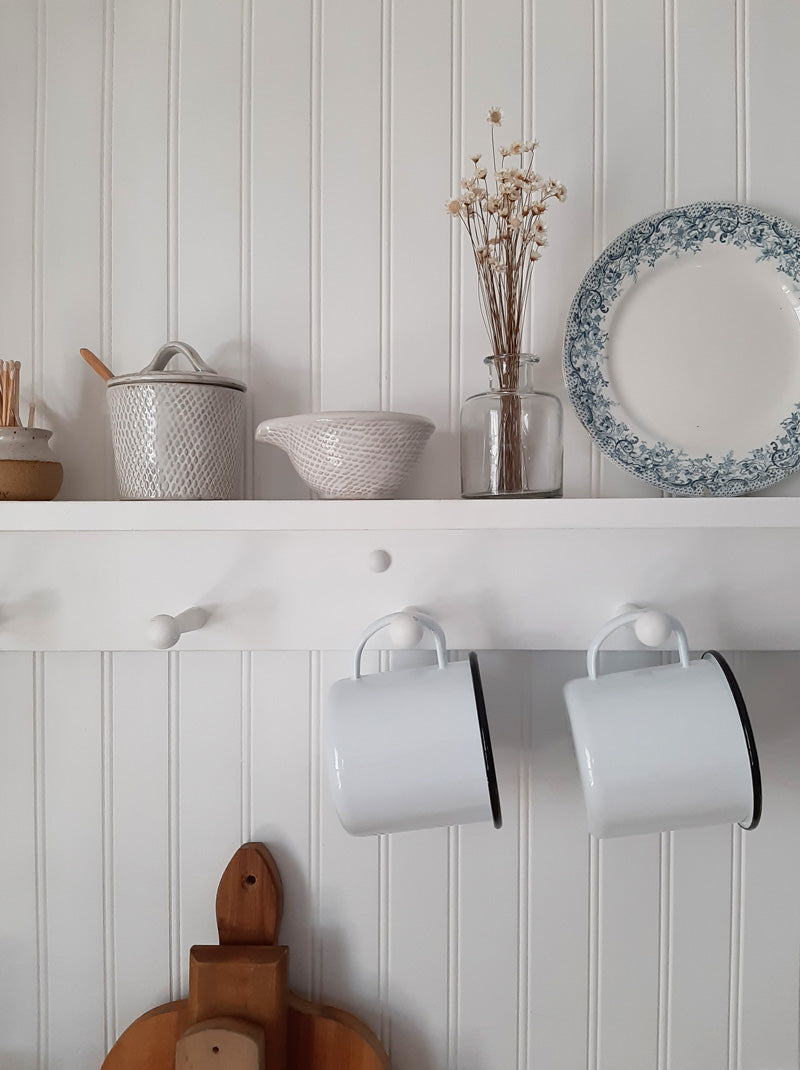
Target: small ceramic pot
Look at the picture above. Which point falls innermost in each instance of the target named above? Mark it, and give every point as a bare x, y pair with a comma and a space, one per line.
29, 472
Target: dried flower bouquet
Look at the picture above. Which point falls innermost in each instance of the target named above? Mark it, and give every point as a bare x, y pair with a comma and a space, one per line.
507, 233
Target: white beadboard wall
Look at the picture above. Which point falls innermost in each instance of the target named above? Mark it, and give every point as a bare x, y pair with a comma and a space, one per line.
266, 181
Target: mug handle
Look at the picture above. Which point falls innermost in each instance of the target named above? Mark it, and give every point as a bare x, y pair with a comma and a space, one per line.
629, 618
384, 622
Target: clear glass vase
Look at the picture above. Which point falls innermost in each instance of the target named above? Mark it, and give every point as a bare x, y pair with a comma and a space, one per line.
511, 436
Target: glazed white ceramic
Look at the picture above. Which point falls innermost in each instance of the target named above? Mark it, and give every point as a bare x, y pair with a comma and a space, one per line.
350, 454
682, 351
410, 749
177, 435
665, 747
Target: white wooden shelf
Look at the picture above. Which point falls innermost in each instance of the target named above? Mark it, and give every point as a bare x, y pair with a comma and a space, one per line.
296, 575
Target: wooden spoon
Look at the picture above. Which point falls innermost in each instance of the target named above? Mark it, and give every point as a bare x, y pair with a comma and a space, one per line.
97, 365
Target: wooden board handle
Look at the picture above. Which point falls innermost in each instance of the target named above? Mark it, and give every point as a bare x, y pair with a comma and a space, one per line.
250, 899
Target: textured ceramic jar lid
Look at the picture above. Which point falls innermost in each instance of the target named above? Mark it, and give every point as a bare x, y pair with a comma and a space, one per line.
195, 378
156, 371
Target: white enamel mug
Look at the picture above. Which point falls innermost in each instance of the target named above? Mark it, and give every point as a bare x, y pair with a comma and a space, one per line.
410, 749
666, 747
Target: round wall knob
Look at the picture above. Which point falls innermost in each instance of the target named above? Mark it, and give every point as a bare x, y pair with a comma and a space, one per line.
379, 560
164, 631
406, 631
653, 628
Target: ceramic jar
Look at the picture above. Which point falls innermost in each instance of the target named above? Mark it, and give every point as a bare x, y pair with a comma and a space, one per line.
177, 435
29, 472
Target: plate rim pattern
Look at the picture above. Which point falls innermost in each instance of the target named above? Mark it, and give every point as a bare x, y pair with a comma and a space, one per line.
674, 232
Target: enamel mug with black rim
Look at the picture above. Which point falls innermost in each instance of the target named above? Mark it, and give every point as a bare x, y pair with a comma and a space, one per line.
410, 748
664, 747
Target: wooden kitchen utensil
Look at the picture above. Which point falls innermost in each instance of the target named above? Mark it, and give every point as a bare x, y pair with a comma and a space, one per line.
239, 1001
97, 365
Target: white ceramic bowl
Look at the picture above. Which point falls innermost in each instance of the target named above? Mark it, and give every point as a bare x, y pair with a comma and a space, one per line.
350, 454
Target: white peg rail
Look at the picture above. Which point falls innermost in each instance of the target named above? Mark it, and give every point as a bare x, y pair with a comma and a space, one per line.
301, 575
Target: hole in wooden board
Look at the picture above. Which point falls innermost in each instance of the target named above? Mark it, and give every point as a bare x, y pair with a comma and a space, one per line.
215, 1049
250, 879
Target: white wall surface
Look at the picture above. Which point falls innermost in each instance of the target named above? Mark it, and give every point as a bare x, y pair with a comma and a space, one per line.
266, 181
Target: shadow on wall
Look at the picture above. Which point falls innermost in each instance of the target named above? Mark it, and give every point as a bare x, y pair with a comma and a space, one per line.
10, 1060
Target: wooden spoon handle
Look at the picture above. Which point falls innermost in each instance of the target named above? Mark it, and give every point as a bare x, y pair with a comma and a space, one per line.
97, 365
250, 898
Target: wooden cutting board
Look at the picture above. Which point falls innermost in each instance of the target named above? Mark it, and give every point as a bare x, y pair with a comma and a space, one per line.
238, 999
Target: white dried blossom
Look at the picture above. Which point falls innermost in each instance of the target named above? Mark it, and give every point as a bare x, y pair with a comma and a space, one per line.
502, 212
561, 192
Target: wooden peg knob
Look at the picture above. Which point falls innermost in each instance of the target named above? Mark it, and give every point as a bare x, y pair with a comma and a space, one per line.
164, 631
406, 631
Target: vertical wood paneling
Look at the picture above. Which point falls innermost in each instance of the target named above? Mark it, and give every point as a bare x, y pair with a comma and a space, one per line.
73, 823
349, 902
139, 777
281, 231
563, 35
19, 978
488, 935
699, 951
139, 191
774, 80
420, 235
770, 905
18, 89
280, 763
559, 886
705, 154
71, 295
210, 788
633, 139
209, 182
351, 206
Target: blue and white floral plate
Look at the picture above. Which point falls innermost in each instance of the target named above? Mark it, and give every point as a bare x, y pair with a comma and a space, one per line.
682, 350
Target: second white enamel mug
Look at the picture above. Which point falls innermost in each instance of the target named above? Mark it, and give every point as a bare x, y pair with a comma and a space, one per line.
664, 747
410, 749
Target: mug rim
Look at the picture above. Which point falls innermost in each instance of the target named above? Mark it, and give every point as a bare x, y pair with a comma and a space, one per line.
747, 728
486, 742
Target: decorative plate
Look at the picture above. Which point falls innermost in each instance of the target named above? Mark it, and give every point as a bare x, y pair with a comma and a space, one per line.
682, 350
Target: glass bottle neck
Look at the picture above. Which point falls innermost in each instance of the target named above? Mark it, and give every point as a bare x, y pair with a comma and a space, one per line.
512, 371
